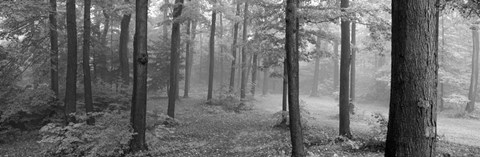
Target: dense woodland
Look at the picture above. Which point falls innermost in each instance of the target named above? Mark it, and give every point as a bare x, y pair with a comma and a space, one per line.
239, 78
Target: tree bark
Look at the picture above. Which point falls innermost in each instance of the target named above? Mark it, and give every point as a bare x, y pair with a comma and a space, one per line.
123, 49
352, 64
243, 80
412, 116
316, 72
234, 51
292, 65
174, 59
335, 65
212, 56
344, 75
87, 80
140, 62
54, 47
71, 86
188, 62
472, 92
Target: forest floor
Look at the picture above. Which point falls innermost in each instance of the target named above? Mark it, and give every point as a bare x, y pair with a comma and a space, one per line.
216, 130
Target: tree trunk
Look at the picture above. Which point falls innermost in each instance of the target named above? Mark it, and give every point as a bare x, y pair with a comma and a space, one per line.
335, 65
221, 52
71, 87
243, 80
54, 47
188, 72
234, 52
472, 92
254, 73
352, 64
344, 75
123, 49
188, 62
314, 92
265, 79
87, 81
292, 65
140, 63
284, 91
441, 107
174, 59
102, 58
412, 117
212, 56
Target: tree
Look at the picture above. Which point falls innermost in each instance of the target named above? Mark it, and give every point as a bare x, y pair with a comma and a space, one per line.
413, 99
317, 68
335, 65
123, 49
71, 87
254, 73
87, 81
174, 58
189, 56
211, 55
292, 65
140, 63
101, 59
234, 51
54, 47
352, 60
472, 92
344, 74
243, 80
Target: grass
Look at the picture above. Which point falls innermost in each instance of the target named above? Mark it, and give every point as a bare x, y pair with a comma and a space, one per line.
214, 130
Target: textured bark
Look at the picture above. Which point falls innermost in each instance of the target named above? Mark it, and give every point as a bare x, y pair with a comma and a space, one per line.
316, 72
352, 64
174, 59
123, 49
335, 65
54, 47
292, 65
87, 80
254, 73
234, 52
413, 99
345, 75
140, 63
71, 86
243, 80
472, 92
211, 67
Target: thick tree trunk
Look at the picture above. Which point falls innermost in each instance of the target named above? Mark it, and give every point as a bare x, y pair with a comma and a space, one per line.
54, 47
292, 65
243, 80
234, 52
472, 92
344, 75
335, 65
352, 64
412, 117
316, 72
123, 49
140, 62
174, 59
254, 73
87, 81
211, 67
71, 86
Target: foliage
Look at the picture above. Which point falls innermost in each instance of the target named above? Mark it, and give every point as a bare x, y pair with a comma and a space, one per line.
283, 117
378, 125
109, 136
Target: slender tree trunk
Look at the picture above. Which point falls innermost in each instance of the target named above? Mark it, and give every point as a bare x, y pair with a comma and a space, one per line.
54, 47
316, 71
212, 56
285, 91
221, 51
174, 61
254, 73
234, 51
123, 49
71, 86
352, 64
188, 62
335, 65
292, 65
472, 93
87, 81
102, 69
265, 79
243, 81
140, 63
344, 75
412, 117
188, 72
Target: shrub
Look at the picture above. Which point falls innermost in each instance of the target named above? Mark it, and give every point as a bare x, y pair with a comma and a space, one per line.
108, 137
